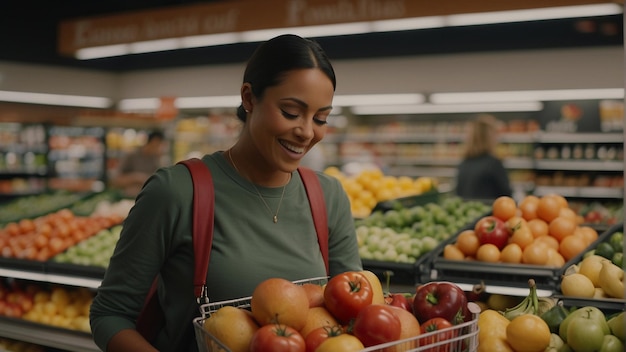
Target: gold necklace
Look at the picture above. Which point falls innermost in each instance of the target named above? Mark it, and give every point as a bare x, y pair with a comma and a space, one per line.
275, 215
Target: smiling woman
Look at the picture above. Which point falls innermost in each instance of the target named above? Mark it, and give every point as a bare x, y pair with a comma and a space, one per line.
263, 225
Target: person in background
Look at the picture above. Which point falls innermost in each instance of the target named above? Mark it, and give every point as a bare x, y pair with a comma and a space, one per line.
481, 174
137, 166
263, 226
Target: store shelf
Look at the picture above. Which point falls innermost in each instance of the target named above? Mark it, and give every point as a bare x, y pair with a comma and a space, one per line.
545, 137
581, 192
50, 336
580, 165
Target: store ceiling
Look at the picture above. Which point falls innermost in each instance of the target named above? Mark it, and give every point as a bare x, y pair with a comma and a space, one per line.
28, 34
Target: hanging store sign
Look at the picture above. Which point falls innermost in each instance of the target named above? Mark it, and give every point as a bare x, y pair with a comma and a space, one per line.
240, 16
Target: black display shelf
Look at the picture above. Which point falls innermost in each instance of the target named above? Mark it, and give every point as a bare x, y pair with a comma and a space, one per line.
46, 335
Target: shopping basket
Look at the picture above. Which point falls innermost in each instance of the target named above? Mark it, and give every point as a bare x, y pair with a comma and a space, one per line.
459, 338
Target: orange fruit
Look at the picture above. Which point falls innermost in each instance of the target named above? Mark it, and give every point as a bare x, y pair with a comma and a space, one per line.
511, 253
589, 234
571, 246
528, 207
277, 300
568, 213
548, 208
488, 253
468, 242
555, 259
315, 294
549, 241
409, 327
504, 208
535, 253
538, 227
560, 199
234, 327
522, 237
561, 227
452, 252
317, 317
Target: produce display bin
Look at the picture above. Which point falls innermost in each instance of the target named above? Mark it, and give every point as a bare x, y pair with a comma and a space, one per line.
610, 304
464, 336
410, 201
498, 274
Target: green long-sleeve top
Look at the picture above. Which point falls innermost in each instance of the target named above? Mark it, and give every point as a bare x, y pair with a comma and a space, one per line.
248, 247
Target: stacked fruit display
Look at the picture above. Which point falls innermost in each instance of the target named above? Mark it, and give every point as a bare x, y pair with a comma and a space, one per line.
405, 233
537, 230
56, 305
349, 313
44, 237
599, 273
531, 326
372, 186
93, 251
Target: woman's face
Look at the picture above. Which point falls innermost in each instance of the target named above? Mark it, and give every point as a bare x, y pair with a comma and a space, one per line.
290, 118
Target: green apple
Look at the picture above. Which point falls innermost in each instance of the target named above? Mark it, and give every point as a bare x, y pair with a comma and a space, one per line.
618, 326
611, 343
585, 334
589, 314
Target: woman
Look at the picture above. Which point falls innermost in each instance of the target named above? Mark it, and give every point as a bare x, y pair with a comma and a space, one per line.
263, 223
481, 175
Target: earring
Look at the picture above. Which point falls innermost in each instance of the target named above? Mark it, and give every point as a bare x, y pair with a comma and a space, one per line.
247, 111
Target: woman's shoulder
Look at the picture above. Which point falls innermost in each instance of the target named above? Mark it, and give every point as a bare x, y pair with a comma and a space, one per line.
170, 183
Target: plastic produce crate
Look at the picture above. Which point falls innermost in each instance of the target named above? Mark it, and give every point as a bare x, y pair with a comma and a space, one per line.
609, 304
499, 274
465, 335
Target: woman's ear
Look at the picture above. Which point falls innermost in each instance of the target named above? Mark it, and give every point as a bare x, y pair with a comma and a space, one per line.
247, 97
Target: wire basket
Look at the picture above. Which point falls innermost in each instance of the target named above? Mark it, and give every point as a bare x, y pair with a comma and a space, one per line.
459, 338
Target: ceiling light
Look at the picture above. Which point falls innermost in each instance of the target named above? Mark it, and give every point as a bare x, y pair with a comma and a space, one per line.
377, 99
139, 104
55, 99
545, 13
232, 101
526, 95
97, 52
445, 109
224, 101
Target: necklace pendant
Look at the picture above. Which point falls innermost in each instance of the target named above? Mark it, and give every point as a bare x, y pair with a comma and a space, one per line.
275, 219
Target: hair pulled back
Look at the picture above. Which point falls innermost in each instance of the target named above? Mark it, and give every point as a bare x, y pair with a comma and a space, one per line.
274, 58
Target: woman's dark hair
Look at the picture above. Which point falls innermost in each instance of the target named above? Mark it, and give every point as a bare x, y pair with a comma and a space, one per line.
272, 59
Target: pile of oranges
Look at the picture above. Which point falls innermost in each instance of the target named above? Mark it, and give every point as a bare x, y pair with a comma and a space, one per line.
542, 231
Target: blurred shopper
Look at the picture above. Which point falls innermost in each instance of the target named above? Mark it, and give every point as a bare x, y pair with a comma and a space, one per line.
263, 226
481, 174
138, 165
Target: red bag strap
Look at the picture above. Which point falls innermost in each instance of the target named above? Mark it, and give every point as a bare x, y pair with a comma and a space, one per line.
318, 209
203, 213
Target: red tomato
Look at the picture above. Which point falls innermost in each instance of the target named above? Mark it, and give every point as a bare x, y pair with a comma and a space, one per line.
437, 324
399, 300
317, 336
346, 294
376, 324
440, 299
490, 229
277, 338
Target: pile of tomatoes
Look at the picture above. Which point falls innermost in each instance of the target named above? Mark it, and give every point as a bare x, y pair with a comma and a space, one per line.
537, 230
351, 313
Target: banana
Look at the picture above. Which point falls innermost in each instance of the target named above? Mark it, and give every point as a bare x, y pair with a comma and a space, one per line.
530, 304
545, 304
611, 279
